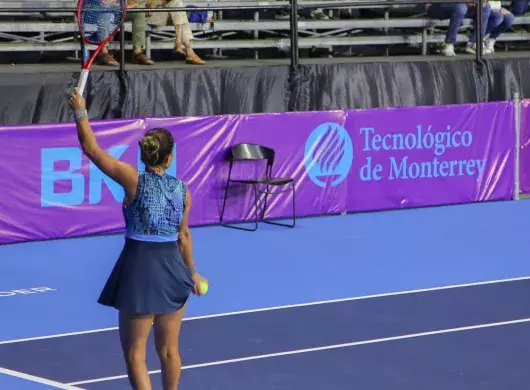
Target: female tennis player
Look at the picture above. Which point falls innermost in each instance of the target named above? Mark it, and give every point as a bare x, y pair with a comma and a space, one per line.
155, 273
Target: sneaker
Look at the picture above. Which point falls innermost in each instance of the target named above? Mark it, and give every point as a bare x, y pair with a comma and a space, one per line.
448, 50
471, 48
490, 45
318, 14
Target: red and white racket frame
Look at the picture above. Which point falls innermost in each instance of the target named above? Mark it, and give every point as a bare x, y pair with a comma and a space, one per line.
85, 68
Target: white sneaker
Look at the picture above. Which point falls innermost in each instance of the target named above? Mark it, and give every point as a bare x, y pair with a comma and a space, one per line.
490, 45
319, 14
448, 50
471, 48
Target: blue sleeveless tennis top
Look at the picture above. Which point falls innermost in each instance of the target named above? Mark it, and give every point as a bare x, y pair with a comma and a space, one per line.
157, 210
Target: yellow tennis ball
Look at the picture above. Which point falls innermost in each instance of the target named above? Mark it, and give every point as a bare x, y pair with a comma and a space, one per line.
203, 287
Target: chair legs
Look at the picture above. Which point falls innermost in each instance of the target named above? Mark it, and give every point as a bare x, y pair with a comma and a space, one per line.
256, 209
264, 210
255, 213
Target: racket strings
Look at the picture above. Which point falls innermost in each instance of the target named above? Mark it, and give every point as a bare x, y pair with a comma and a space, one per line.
100, 18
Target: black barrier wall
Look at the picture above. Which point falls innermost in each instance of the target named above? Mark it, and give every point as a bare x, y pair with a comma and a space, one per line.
43, 98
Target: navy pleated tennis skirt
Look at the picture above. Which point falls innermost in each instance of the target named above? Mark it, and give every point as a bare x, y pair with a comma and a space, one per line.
148, 278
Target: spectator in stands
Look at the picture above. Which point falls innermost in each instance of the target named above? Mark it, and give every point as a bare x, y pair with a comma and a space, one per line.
105, 58
316, 14
456, 14
139, 23
500, 21
138, 28
183, 34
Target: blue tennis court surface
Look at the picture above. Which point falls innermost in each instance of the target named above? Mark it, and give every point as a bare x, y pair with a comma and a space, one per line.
403, 300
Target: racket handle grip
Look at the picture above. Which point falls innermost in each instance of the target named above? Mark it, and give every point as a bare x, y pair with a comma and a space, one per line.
83, 77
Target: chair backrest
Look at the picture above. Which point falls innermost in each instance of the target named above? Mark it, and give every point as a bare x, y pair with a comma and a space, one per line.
252, 152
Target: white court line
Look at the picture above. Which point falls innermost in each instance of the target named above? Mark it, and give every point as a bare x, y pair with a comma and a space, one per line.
37, 379
382, 295
323, 348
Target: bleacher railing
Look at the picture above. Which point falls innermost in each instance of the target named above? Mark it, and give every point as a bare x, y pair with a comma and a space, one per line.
291, 6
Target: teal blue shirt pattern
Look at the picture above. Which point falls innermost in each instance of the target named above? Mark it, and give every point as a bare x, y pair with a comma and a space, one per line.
157, 210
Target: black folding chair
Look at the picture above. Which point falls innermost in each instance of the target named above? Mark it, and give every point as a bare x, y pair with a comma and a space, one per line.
252, 152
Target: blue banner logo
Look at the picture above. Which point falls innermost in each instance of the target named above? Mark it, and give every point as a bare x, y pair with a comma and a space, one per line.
80, 189
328, 155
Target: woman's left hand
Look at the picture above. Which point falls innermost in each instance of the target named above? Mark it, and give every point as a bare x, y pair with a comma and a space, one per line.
197, 279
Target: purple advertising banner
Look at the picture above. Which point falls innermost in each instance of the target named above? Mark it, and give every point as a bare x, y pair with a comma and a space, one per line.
48, 188
525, 147
341, 161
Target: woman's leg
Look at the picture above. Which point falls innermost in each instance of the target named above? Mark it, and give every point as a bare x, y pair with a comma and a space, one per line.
471, 13
187, 37
167, 330
183, 34
105, 58
177, 19
178, 38
134, 331
454, 12
502, 22
139, 24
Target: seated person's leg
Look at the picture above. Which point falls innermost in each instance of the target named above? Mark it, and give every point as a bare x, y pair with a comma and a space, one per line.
187, 37
183, 34
105, 57
500, 21
471, 13
138, 38
455, 13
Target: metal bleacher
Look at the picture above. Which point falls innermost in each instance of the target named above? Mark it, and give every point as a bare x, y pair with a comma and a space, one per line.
52, 31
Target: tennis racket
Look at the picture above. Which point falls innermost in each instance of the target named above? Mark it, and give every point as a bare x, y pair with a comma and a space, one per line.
98, 21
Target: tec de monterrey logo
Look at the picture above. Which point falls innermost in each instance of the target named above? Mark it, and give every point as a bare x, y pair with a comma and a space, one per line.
328, 155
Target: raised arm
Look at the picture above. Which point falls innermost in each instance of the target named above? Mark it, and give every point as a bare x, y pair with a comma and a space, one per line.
122, 173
